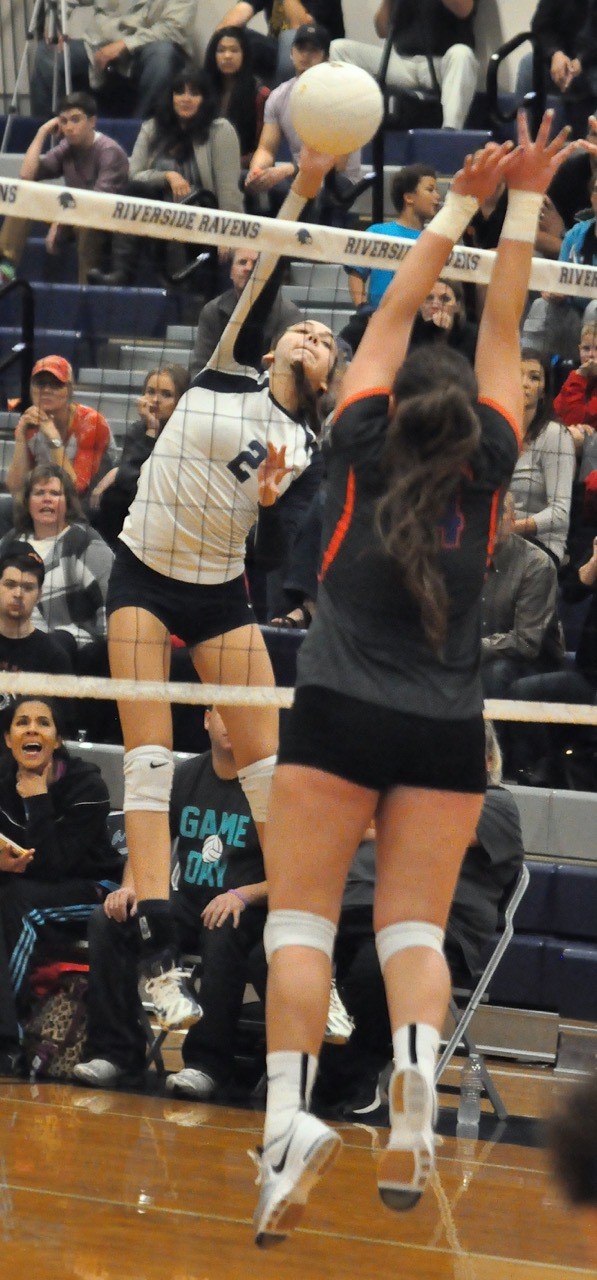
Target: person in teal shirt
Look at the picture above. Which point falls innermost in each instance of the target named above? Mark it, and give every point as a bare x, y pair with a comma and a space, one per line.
416, 199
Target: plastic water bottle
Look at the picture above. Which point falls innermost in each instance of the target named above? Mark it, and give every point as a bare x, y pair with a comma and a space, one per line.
469, 1107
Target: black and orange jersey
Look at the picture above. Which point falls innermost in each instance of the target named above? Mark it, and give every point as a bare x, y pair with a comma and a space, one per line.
368, 638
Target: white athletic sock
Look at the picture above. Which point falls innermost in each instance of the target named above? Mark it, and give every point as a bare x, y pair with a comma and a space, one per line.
416, 1044
290, 1080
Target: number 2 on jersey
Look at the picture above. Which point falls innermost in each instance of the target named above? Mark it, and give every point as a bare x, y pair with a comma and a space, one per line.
247, 461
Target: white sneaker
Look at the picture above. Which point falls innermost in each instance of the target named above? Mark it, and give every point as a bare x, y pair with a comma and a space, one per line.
288, 1170
174, 1004
407, 1162
192, 1083
339, 1024
98, 1072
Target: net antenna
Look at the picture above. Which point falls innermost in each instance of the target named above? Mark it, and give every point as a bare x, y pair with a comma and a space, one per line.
49, 23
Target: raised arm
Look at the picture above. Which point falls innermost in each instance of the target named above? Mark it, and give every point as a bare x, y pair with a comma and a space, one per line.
237, 16
529, 171
385, 343
312, 170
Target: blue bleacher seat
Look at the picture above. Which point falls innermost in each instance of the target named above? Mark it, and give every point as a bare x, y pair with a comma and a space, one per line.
519, 979
445, 149
49, 268
574, 981
575, 902
534, 914
23, 129
97, 311
21, 133
69, 343
123, 131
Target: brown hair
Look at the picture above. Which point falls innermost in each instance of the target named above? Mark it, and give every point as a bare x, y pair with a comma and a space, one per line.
47, 471
179, 376
433, 435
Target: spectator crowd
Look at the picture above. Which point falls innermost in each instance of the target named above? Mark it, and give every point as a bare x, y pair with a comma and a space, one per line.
220, 135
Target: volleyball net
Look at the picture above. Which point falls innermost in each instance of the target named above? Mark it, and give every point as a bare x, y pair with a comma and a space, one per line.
125, 333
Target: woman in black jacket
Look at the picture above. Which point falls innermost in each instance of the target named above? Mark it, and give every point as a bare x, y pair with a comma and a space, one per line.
56, 859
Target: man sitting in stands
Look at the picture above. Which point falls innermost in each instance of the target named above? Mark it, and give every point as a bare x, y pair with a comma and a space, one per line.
136, 43
310, 47
220, 909
85, 159
272, 53
214, 316
440, 29
521, 632
22, 646
564, 30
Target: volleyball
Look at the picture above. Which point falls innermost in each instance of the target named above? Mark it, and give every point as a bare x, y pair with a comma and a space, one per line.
336, 108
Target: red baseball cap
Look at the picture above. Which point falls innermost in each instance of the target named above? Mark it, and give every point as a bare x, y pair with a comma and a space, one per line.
56, 365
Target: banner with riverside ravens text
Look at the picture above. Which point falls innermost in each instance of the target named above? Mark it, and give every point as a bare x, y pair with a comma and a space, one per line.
48, 202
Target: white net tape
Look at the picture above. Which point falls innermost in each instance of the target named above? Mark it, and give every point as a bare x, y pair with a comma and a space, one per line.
167, 221
33, 683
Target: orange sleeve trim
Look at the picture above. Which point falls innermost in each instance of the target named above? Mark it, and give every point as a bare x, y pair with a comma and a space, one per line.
493, 523
493, 404
342, 526
360, 395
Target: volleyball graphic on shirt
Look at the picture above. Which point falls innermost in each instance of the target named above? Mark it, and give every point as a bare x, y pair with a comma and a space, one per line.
212, 849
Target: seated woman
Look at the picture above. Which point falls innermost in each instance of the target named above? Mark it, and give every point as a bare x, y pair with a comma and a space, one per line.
186, 153
239, 94
55, 850
77, 561
54, 429
112, 497
576, 405
541, 484
442, 318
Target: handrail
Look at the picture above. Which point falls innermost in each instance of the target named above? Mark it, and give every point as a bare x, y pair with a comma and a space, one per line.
533, 101
22, 351
378, 142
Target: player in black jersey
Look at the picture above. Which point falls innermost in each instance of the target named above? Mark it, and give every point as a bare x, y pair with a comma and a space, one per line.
387, 719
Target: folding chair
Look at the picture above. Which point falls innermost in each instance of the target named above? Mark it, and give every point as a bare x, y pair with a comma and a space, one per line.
463, 1017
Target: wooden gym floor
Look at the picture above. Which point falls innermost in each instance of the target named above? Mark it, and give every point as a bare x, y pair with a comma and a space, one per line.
115, 1186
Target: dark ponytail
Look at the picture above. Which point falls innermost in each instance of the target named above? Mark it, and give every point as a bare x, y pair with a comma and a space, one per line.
431, 438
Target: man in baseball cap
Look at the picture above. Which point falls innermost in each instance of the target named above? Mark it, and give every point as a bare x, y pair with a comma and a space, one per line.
312, 35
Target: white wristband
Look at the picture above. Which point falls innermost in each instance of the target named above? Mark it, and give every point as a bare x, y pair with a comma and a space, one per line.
454, 216
522, 216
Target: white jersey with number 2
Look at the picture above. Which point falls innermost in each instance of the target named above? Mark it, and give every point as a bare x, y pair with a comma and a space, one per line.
197, 496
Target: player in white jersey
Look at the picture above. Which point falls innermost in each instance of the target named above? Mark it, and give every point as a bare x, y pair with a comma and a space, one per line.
235, 440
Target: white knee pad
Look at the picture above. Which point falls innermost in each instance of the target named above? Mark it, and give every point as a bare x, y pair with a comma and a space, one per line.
298, 929
408, 933
256, 782
148, 773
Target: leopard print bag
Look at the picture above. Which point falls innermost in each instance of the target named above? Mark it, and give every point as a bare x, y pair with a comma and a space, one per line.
55, 1032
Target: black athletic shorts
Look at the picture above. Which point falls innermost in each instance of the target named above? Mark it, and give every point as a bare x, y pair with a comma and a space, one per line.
195, 613
379, 747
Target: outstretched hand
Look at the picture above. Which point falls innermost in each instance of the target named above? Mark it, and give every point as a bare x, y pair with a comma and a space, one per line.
270, 474
313, 167
482, 172
533, 164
